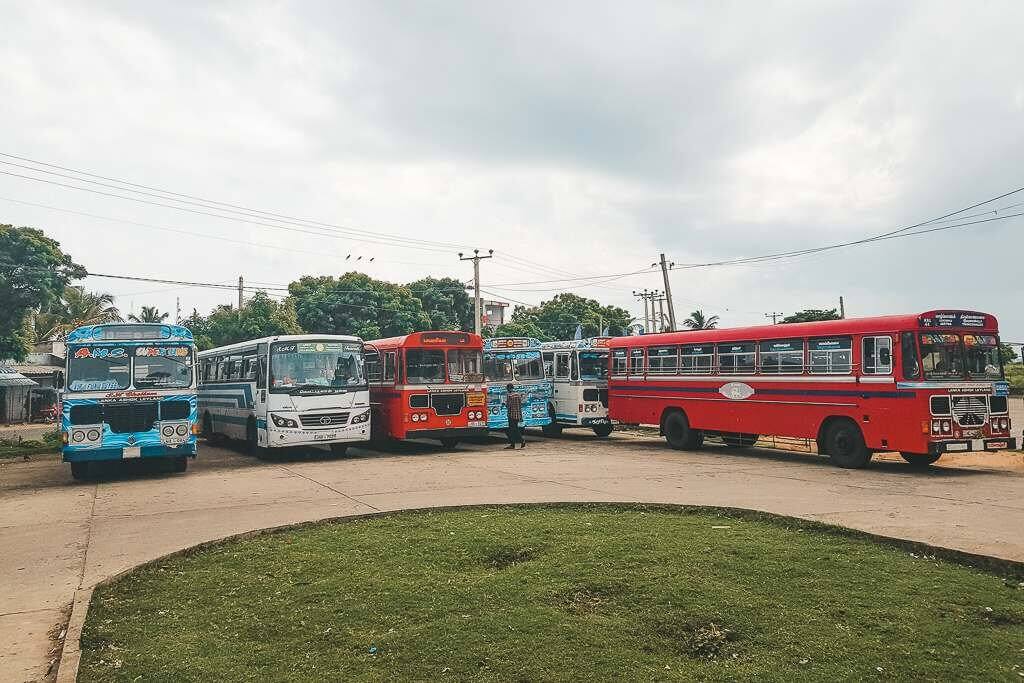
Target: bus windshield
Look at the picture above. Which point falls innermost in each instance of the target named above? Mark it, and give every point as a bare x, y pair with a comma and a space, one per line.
464, 366
163, 367
315, 366
593, 365
99, 368
424, 366
528, 366
497, 368
981, 352
941, 356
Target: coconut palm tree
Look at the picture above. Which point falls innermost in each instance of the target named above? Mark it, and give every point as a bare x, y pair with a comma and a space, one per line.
149, 314
77, 307
698, 321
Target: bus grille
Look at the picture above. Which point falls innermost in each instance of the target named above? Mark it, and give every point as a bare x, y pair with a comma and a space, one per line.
175, 410
130, 417
970, 411
87, 414
324, 420
448, 404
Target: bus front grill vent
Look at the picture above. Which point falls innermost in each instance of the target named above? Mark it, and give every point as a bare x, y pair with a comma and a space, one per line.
130, 417
970, 411
448, 404
324, 420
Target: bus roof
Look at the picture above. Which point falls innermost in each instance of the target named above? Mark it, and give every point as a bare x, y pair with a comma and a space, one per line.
511, 343
420, 340
129, 332
590, 343
960, 321
279, 338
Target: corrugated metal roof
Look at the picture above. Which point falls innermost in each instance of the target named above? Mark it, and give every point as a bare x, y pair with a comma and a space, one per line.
10, 378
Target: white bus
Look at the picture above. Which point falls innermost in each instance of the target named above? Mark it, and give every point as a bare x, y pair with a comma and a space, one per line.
293, 390
578, 370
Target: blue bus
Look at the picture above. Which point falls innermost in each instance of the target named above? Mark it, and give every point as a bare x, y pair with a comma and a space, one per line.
517, 361
129, 391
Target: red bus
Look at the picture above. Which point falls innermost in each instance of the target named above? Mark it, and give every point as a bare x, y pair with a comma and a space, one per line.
923, 385
427, 385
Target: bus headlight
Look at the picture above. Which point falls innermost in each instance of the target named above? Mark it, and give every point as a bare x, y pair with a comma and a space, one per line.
936, 427
947, 427
94, 435
78, 436
181, 430
168, 430
283, 421
361, 417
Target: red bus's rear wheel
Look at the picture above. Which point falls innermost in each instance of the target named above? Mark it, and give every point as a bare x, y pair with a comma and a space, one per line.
845, 445
739, 440
678, 433
603, 430
920, 459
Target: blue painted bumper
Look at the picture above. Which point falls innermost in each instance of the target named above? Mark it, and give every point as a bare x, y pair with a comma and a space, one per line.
89, 454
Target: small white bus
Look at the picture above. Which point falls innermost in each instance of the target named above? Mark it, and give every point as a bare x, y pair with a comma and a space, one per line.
578, 370
294, 390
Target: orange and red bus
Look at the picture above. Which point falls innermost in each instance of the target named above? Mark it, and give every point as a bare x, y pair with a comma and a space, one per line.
427, 385
923, 385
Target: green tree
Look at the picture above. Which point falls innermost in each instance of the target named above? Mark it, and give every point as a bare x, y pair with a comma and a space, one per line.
199, 326
33, 274
811, 315
149, 314
357, 304
446, 301
516, 329
1007, 354
261, 316
699, 321
559, 317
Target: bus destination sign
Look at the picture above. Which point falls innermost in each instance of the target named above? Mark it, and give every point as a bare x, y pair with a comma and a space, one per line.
953, 319
436, 338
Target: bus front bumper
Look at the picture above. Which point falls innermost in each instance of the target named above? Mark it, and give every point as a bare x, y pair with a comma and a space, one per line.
449, 433
117, 453
996, 443
283, 437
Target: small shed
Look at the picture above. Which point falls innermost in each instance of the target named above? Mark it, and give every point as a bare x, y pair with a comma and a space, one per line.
14, 391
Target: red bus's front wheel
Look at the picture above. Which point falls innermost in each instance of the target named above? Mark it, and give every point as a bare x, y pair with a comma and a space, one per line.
845, 445
919, 459
678, 433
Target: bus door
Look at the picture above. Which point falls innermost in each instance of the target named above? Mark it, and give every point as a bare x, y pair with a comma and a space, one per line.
565, 398
262, 367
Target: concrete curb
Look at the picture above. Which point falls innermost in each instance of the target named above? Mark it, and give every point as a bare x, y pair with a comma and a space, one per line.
71, 653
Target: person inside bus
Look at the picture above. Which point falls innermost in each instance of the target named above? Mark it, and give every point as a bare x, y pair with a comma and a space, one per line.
514, 406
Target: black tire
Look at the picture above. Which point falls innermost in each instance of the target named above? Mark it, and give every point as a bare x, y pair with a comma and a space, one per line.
552, 430
603, 430
920, 459
449, 443
81, 471
179, 463
252, 442
733, 440
678, 433
339, 448
845, 445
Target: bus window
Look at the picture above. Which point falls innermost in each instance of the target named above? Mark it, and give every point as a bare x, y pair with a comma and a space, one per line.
618, 361
562, 365
876, 355
736, 358
663, 360
941, 356
528, 367
423, 366
549, 364
575, 366
374, 369
910, 361
593, 365
389, 366
464, 365
261, 366
981, 352
497, 368
172, 370
831, 355
782, 357
636, 362
696, 359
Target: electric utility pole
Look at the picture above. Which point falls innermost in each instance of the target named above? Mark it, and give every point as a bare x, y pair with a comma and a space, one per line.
475, 258
240, 290
774, 315
668, 294
661, 313
647, 320
842, 309
177, 310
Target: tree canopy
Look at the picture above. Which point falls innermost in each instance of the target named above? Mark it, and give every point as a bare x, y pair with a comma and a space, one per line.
558, 319
261, 316
811, 315
149, 314
33, 275
446, 302
699, 321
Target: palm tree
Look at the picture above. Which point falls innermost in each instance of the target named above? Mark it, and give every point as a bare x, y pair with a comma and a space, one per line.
149, 314
697, 321
77, 307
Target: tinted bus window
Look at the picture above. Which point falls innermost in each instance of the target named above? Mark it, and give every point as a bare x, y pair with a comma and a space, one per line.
736, 358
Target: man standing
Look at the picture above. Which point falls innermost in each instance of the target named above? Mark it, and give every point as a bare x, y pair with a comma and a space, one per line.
514, 405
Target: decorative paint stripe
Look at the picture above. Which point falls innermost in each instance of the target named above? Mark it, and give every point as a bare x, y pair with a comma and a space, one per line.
749, 400
775, 392
845, 379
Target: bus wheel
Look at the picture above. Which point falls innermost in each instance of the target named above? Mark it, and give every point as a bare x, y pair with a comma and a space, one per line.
339, 448
678, 433
919, 459
602, 430
552, 430
739, 440
179, 463
80, 471
449, 443
845, 445
252, 441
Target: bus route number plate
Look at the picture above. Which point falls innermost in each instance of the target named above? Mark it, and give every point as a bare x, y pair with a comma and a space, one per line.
132, 452
325, 437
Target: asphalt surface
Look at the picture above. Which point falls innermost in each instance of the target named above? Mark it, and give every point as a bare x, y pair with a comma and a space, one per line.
60, 537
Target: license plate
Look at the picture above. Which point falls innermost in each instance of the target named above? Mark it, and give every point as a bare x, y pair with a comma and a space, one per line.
997, 444
325, 437
132, 452
971, 433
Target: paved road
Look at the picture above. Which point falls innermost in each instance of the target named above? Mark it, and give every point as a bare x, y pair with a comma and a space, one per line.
60, 537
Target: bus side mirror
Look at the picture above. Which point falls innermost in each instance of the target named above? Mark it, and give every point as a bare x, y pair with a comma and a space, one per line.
58, 379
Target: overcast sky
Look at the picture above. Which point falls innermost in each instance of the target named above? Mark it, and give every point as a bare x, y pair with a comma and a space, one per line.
585, 138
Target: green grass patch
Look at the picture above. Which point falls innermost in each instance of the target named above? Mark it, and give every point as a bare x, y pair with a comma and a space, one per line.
12, 448
556, 594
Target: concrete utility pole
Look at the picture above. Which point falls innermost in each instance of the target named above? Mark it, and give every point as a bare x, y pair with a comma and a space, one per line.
475, 258
668, 294
177, 310
661, 314
774, 315
842, 309
643, 295
240, 289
